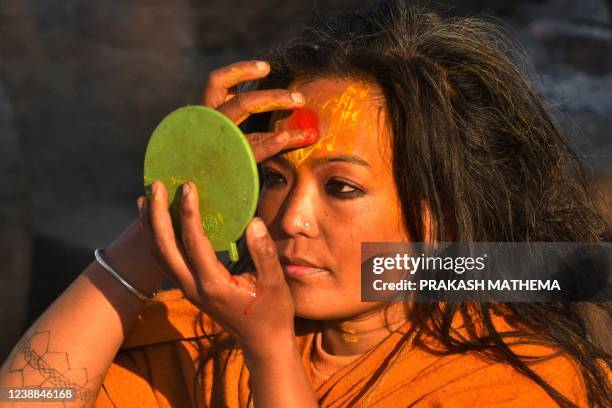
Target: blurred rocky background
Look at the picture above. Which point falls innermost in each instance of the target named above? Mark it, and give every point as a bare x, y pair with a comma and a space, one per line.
83, 84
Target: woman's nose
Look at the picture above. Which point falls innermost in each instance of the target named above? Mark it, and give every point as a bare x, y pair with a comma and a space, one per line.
300, 211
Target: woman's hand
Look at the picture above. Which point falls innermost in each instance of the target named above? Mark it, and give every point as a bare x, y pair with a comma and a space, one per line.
220, 93
255, 307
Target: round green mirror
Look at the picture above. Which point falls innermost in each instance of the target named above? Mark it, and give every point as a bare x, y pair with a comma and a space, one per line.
201, 145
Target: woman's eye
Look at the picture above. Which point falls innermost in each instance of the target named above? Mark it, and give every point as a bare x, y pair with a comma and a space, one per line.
343, 190
271, 178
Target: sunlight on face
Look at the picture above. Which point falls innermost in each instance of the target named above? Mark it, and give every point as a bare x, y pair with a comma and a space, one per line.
320, 202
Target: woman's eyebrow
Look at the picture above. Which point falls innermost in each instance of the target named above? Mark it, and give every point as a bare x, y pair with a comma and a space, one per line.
342, 158
354, 159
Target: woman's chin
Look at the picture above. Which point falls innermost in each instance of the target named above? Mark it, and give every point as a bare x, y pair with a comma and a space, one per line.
313, 303
321, 305
318, 313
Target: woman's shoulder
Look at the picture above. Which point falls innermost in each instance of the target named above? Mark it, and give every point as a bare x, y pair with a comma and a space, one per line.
469, 380
477, 379
484, 378
547, 361
556, 368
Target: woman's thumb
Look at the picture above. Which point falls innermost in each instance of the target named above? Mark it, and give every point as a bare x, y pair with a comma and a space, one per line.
263, 252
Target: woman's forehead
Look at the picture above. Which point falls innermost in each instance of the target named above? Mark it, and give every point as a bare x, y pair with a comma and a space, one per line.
348, 116
326, 91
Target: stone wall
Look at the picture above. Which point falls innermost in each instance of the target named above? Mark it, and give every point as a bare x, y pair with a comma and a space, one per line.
15, 243
88, 82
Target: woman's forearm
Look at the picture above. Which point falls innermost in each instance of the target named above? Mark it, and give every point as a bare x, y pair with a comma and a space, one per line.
277, 376
73, 343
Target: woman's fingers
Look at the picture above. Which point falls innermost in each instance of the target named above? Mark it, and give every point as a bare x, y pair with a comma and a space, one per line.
221, 80
264, 253
266, 145
196, 244
191, 260
146, 232
164, 239
242, 105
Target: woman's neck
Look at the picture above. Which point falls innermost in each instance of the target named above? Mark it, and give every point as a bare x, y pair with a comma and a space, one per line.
361, 333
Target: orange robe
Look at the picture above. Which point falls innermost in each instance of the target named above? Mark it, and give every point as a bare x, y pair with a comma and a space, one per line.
156, 368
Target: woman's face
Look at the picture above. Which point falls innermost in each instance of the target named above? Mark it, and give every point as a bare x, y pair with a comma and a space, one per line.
322, 201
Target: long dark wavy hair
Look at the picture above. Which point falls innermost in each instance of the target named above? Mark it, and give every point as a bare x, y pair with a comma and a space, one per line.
474, 142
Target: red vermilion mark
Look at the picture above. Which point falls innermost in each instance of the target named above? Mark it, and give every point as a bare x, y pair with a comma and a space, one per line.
305, 119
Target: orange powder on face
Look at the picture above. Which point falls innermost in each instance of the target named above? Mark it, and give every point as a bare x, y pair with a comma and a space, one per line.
344, 115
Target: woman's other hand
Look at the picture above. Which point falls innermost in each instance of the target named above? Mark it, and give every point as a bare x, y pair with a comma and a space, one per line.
256, 307
220, 93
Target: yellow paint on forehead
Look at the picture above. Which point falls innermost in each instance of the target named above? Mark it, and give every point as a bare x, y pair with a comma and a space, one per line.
344, 114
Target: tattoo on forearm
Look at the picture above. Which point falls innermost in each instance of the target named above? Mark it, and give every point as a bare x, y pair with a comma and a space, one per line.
45, 368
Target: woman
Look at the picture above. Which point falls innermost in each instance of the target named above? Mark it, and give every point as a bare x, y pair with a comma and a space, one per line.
389, 124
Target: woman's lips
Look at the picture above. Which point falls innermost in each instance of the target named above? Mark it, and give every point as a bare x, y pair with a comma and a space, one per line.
295, 271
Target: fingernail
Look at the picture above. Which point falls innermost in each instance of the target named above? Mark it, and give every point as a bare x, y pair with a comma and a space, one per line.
297, 97
259, 228
282, 138
154, 189
308, 137
186, 189
261, 65
139, 203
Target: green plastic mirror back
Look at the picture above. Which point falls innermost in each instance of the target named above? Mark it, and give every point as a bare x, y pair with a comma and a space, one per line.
201, 145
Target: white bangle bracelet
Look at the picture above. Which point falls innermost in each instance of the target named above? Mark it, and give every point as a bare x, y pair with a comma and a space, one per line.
98, 254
